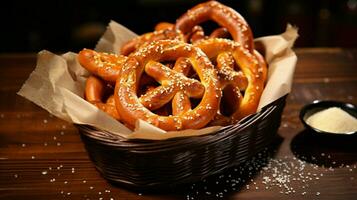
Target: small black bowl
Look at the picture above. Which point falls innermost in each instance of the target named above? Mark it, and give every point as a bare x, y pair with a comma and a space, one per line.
317, 106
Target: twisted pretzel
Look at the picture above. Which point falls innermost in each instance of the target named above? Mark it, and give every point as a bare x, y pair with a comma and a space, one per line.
250, 79
147, 59
95, 92
221, 14
107, 66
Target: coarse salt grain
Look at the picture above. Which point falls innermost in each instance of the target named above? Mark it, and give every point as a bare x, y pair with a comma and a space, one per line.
333, 120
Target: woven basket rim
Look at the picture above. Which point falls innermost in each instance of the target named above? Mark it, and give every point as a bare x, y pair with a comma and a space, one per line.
117, 141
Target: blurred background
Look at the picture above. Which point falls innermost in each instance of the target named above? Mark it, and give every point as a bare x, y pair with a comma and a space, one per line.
70, 25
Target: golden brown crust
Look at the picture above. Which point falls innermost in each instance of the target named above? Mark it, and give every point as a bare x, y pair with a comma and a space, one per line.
221, 14
163, 26
250, 78
220, 33
94, 93
131, 107
105, 65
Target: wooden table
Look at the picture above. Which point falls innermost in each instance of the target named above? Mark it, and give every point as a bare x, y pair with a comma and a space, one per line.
42, 157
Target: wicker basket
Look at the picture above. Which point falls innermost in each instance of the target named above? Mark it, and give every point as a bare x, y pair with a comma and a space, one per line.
146, 164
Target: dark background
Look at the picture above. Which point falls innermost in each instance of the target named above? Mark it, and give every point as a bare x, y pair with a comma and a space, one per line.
60, 26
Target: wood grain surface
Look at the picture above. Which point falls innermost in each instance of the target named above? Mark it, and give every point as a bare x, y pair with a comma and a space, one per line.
42, 157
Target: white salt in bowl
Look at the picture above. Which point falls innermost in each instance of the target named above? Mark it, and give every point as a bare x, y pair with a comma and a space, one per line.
317, 106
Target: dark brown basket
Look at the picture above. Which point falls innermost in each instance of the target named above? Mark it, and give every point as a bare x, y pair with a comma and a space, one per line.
147, 164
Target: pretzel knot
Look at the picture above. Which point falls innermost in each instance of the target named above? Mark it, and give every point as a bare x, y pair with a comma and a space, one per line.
221, 14
238, 71
174, 86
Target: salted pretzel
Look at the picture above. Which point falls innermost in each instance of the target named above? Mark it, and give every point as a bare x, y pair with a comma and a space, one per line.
221, 14
95, 93
148, 58
161, 34
105, 65
237, 68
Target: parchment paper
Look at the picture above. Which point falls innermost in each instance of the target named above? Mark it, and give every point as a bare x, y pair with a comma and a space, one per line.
58, 81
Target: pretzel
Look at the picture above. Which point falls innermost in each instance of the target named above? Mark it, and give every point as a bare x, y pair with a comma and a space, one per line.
251, 78
221, 14
94, 93
107, 66
161, 34
148, 59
